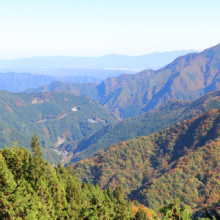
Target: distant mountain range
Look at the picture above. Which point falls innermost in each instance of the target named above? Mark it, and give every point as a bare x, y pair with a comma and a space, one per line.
90, 67
18, 82
154, 61
62, 71
188, 77
97, 91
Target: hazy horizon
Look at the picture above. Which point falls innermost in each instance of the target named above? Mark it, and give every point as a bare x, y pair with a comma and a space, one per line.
94, 28
112, 54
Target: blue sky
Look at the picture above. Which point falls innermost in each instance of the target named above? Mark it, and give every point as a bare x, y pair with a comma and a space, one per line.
97, 27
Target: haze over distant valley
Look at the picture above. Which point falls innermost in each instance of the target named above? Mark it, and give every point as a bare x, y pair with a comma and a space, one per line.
100, 67
18, 82
21, 74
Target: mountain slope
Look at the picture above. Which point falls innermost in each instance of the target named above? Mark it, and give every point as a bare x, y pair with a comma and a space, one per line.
166, 115
186, 78
101, 92
182, 161
58, 118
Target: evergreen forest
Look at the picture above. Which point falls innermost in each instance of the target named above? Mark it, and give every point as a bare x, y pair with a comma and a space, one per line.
31, 188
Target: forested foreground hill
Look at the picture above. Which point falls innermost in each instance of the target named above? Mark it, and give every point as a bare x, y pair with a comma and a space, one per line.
30, 188
166, 115
182, 161
57, 118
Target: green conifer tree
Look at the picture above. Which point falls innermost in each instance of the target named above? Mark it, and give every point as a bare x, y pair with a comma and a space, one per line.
16, 199
176, 211
38, 164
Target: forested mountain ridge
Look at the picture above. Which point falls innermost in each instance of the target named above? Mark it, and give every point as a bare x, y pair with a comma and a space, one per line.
58, 118
113, 83
186, 78
88, 89
182, 161
101, 90
165, 115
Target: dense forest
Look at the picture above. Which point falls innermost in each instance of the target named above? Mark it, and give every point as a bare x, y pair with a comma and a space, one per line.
181, 161
31, 188
162, 117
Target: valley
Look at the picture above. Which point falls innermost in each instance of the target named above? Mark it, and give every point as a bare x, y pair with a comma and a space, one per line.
166, 115
51, 116
148, 137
